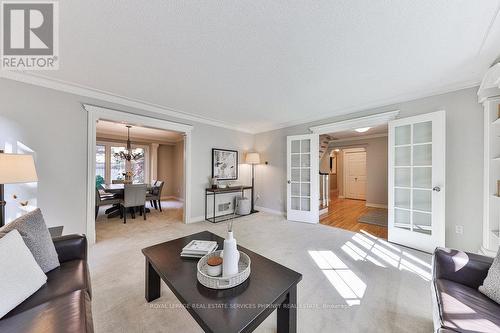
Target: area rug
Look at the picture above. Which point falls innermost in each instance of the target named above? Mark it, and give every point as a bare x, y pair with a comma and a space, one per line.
374, 216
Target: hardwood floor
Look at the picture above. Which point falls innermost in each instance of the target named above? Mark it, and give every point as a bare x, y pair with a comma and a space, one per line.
344, 214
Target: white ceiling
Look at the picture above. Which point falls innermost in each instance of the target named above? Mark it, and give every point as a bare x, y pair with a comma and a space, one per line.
108, 129
258, 65
374, 131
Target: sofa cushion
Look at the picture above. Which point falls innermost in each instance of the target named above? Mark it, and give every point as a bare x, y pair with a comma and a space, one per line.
20, 275
70, 276
68, 313
464, 309
491, 285
35, 234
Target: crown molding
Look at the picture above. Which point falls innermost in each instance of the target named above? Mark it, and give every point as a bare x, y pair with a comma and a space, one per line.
76, 89
80, 90
375, 104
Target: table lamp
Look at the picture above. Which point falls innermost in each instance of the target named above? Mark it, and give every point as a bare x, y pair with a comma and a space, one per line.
253, 159
14, 168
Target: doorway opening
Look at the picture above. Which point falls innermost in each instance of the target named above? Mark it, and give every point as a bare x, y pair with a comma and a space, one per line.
354, 172
353, 167
157, 158
135, 158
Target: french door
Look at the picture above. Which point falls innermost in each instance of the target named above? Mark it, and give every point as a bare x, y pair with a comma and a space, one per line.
303, 178
417, 181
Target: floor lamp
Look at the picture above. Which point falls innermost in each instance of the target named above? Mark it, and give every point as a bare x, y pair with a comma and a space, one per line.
253, 159
14, 168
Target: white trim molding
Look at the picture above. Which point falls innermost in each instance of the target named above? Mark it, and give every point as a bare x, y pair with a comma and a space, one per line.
270, 211
94, 113
197, 219
356, 138
352, 124
376, 205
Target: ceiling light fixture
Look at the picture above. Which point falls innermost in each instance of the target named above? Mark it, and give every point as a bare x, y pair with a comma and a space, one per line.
362, 129
128, 154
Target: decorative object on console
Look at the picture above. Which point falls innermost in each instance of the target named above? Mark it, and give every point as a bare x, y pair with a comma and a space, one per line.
214, 183
224, 164
15, 168
253, 159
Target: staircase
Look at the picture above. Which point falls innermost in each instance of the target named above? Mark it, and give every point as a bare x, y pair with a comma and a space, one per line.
324, 140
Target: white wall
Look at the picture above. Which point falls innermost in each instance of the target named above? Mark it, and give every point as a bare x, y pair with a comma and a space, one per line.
54, 125
171, 169
166, 169
464, 161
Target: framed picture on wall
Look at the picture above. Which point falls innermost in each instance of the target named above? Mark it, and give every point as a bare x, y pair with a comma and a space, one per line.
224, 164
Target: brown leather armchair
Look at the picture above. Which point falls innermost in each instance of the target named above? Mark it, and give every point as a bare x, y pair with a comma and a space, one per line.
63, 304
458, 306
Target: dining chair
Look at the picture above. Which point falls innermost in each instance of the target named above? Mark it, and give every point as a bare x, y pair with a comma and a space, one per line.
150, 191
134, 195
155, 196
103, 199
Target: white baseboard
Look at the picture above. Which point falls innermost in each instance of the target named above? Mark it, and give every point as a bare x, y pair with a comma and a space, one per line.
341, 197
270, 211
486, 252
196, 219
323, 211
375, 205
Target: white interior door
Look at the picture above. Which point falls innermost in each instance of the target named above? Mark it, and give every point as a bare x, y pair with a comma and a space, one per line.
417, 181
303, 178
355, 173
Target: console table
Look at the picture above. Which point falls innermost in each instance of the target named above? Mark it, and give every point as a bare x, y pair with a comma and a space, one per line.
213, 192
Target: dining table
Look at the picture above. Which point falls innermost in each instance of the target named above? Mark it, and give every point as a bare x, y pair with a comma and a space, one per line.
114, 211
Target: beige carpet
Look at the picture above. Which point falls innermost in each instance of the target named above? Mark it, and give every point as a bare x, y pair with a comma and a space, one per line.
352, 282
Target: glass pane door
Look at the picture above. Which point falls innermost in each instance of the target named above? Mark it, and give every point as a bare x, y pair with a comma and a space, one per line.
301, 174
413, 177
303, 178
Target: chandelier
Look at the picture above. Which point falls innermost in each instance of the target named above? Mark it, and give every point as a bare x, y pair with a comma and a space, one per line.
127, 154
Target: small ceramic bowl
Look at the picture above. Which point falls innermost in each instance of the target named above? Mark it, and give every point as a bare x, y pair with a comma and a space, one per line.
214, 266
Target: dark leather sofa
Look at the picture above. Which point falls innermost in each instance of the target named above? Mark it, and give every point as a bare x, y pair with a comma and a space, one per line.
63, 304
458, 306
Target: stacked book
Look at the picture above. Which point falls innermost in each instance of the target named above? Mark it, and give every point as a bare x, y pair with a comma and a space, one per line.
198, 248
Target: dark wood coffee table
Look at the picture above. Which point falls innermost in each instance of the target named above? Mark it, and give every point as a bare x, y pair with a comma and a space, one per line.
241, 309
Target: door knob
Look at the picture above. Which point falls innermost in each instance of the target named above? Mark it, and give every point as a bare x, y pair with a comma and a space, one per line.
436, 188
289, 182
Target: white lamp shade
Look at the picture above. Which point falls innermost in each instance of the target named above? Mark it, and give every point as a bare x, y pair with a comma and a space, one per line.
17, 168
253, 158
